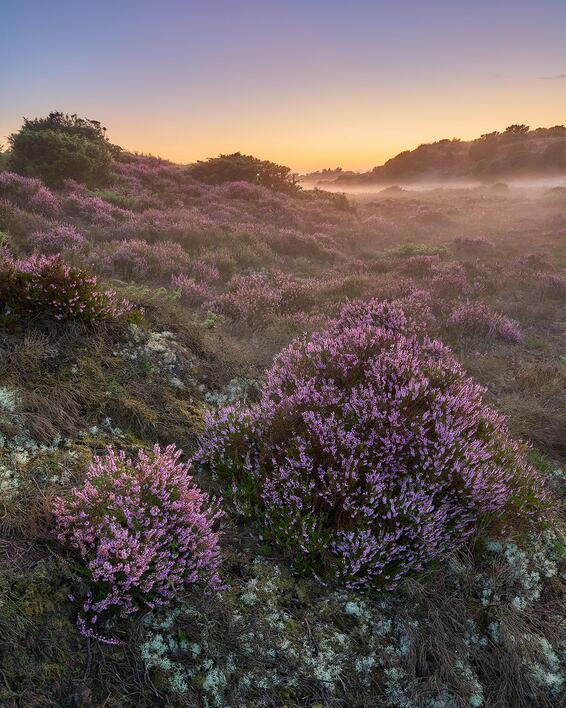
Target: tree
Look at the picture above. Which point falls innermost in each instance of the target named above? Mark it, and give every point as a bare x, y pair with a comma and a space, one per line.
237, 167
484, 148
61, 147
517, 129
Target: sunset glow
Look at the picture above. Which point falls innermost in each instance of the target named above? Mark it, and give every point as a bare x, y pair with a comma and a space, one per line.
311, 85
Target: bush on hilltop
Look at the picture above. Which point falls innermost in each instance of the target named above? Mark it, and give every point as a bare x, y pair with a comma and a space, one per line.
61, 147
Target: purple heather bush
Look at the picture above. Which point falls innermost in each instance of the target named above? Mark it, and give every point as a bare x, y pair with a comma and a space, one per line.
28, 193
62, 237
140, 259
45, 286
143, 531
450, 280
410, 315
191, 291
477, 319
369, 454
261, 295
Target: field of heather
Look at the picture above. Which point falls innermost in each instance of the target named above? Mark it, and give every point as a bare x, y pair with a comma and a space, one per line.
266, 446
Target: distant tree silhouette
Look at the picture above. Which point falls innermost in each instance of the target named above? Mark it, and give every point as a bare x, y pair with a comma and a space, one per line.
517, 129
237, 167
485, 148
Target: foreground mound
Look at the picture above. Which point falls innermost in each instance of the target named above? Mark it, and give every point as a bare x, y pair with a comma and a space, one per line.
370, 454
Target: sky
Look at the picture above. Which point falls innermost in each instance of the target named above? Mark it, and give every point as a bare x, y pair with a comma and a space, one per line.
308, 83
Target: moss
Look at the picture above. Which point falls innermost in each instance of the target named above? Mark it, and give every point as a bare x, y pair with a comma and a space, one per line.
39, 653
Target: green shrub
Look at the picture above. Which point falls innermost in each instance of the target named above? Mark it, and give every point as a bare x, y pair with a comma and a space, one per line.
62, 147
407, 250
244, 168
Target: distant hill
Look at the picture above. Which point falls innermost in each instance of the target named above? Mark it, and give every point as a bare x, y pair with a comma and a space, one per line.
326, 175
513, 153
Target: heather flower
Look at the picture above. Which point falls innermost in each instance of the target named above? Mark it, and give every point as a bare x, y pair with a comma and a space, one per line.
261, 296
62, 237
369, 454
138, 258
409, 315
78, 202
45, 286
143, 531
28, 193
450, 280
478, 320
193, 293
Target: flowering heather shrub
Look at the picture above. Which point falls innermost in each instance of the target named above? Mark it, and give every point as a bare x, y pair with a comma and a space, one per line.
62, 237
192, 292
143, 531
291, 242
250, 297
408, 315
450, 280
138, 258
204, 271
419, 265
46, 286
369, 455
478, 320
28, 193
78, 202
263, 295
149, 176
371, 313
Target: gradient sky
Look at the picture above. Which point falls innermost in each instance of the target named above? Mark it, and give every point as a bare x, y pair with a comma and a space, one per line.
309, 83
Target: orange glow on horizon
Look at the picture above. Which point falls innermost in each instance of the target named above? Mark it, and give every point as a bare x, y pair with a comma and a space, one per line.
357, 137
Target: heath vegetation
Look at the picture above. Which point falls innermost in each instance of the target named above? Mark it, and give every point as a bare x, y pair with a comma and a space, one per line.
262, 445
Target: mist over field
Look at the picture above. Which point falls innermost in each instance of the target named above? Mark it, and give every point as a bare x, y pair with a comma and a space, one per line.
272, 437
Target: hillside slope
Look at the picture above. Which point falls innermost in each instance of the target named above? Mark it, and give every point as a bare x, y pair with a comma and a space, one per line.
219, 278
515, 153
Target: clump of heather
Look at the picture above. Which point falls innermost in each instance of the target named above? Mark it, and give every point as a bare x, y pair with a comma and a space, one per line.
78, 202
263, 295
45, 286
192, 292
369, 454
371, 313
143, 531
62, 237
28, 193
408, 315
450, 280
477, 319
419, 265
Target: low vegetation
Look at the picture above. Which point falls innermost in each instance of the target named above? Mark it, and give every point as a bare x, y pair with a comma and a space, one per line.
369, 394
